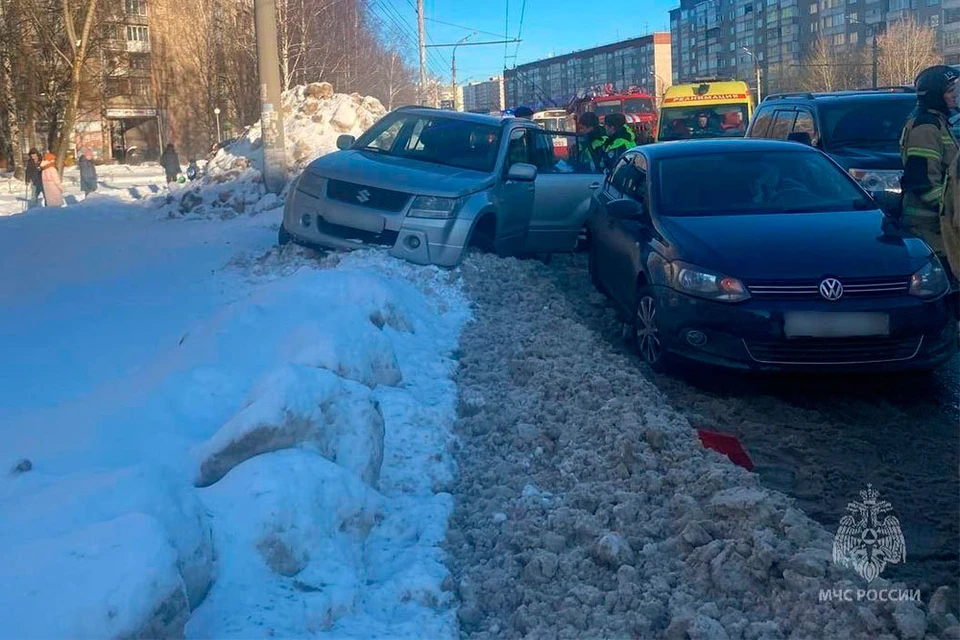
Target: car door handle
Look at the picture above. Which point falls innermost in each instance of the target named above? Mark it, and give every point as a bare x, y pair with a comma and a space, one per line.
595, 185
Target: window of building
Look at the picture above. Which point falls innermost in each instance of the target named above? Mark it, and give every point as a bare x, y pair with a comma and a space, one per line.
136, 7
951, 15
140, 87
137, 34
854, 37
140, 62
839, 39
932, 3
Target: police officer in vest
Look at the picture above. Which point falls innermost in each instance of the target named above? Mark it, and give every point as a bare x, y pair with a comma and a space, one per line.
619, 138
594, 140
928, 149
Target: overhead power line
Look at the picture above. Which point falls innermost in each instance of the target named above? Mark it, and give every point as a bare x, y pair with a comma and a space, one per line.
523, 10
460, 26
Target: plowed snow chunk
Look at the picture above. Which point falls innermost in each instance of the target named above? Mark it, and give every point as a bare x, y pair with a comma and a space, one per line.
289, 513
113, 579
297, 405
358, 352
54, 507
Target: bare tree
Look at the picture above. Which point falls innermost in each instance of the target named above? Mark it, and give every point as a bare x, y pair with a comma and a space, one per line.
829, 67
906, 49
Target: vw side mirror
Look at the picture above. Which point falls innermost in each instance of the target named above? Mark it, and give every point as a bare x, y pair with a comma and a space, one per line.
803, 137
889, 202
345, 142
522, 172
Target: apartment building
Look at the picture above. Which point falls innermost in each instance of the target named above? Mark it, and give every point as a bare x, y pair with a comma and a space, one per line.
639, 62
483, 97
729, 38
156, 75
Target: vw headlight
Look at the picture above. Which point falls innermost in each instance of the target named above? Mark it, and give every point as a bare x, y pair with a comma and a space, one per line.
311, 184
876, 180
930, 281
705, 284
433, 207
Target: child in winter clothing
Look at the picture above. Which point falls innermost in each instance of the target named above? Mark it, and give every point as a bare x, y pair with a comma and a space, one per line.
88, 172
193, 171
52, 189
33, 178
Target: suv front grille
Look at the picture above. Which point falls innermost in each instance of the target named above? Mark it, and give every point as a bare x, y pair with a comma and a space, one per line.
363, 196
833, 351
853, 287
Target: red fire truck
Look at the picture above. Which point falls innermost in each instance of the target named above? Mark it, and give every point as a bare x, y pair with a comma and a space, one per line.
638, 107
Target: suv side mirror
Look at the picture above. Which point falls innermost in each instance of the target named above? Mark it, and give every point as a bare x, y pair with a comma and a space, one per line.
625, 209
803, 137
345, 142
522, 172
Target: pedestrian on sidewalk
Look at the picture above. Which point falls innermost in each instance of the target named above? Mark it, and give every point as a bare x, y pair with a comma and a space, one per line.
88, 173
52, 188
170, 163
33, 178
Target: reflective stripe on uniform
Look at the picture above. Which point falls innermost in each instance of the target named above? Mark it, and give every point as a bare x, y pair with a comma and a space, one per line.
933, 195
922, 152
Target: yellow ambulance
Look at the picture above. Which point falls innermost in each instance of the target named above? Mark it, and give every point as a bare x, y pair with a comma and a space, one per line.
707, 109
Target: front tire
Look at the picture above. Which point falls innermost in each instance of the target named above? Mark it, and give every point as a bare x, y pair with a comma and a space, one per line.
648, 340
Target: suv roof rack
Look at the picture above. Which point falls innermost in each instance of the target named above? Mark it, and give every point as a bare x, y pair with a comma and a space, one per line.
795, 94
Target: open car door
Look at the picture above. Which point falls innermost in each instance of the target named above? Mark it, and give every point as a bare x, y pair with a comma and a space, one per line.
567, 173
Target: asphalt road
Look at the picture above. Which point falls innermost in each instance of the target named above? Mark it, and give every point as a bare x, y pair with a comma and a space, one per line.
823, 439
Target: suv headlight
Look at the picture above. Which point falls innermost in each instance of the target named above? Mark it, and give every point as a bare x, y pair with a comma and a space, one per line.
311, 184
930, 281
877, 179
704, 283
433, 207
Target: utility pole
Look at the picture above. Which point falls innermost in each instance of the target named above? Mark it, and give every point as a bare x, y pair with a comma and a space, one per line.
876, 56
756, 68
422, 45
271, 107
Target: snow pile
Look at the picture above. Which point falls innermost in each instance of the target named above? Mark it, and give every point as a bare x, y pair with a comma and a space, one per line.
230, 451
587, 508
313, 116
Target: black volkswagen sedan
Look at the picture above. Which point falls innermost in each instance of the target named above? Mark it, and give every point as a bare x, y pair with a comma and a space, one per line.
766, 255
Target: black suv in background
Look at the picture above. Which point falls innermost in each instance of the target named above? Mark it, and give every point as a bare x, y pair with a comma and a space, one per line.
860, 130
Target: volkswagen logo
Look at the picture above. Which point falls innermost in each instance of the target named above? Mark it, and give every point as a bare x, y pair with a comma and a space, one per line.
831, 289
363, 196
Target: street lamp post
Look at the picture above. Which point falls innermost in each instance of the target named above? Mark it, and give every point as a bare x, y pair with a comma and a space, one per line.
216, 112
756, 68
658, 84
456, 106
876, 49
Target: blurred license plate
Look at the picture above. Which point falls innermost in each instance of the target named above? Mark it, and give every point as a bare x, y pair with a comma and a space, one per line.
814, 324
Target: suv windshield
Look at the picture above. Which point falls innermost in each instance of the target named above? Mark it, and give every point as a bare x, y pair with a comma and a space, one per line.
434, 139
750, 182
876, 122
721, 121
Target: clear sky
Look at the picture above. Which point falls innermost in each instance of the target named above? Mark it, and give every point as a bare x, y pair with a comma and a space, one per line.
550, 27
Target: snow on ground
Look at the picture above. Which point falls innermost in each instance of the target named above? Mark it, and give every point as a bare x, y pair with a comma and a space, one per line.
587, 508
117, 182
203, 434
314, 117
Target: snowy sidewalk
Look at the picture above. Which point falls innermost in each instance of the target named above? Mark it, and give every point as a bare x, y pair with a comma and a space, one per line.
587, 508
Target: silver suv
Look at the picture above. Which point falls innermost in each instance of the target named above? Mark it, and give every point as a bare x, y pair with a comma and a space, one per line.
428, 183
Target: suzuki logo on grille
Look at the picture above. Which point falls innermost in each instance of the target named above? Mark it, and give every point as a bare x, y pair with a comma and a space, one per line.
831, 289
363, 195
